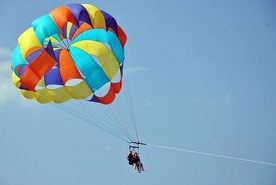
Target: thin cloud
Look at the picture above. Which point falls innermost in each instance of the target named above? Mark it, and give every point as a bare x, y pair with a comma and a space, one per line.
198, 99
227, 98
132, 70
148, 103
5, 53
8, 92
7, 89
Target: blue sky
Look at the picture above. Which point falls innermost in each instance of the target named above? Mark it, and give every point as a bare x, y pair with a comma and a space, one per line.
201, 76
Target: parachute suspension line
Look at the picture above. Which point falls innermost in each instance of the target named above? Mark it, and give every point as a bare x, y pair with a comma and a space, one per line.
112, 113
129, 102
131, 110
110, 117
81, 110
213, 155
113, 116
104, 120
120, 110
119, 119
88, 120
96, 118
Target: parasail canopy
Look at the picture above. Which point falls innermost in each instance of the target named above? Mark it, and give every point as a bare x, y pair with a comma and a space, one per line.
75, 51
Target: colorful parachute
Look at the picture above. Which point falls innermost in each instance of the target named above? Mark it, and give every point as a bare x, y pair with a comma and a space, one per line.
76, 51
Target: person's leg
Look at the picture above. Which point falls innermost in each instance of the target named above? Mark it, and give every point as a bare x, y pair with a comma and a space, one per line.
135, 167
141, 167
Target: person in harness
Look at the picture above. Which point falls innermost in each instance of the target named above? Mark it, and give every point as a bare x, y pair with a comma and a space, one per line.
138, 162
130, 158
134, 160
